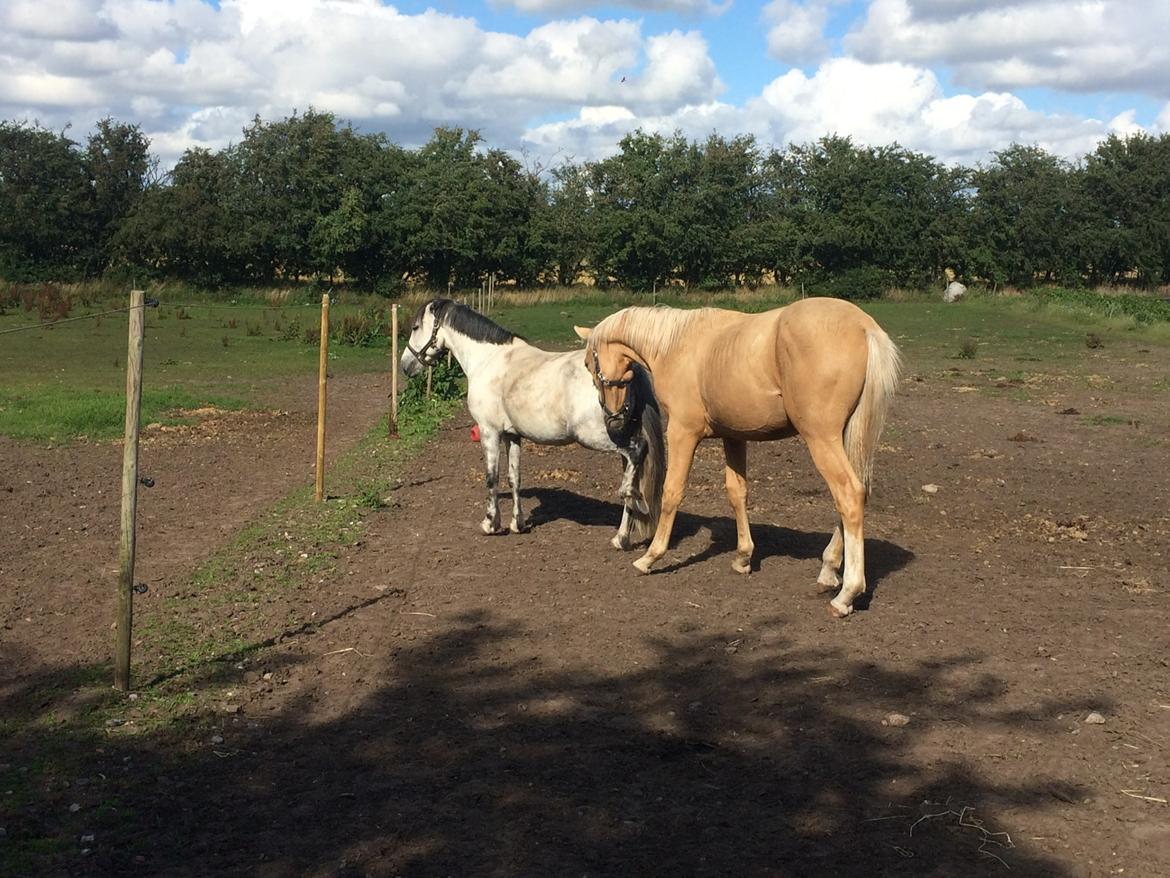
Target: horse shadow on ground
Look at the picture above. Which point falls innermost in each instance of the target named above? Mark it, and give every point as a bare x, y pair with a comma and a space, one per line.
463, 753
881, 556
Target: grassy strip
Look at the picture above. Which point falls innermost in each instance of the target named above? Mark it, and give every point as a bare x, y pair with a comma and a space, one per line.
294, 545
1143, 309
59, 413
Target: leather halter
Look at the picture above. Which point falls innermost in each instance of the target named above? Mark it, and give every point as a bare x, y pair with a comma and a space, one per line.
602, 381
421, 355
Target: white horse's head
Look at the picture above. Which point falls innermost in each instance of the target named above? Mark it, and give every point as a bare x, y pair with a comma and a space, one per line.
426, 343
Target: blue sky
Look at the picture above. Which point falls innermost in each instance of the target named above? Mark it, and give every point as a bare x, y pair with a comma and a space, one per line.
958, 79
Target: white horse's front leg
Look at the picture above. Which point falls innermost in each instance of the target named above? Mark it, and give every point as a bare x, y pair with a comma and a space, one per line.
629, 496
517, 525
491, 463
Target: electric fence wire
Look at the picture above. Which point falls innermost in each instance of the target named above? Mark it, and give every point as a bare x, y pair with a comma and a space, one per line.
149, 303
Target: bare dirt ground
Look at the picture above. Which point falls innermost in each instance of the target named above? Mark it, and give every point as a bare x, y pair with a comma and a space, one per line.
530, 705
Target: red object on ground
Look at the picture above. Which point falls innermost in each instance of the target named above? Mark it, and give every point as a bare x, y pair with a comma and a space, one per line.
475, 432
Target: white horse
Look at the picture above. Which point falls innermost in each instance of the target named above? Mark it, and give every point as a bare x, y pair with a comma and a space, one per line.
516, 391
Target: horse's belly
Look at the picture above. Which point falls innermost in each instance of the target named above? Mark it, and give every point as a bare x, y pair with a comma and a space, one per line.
538, 425
748, 415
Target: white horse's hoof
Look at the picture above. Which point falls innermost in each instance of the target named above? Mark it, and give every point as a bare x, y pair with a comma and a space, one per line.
619, 544
643, 564
839, 610
517, 528
490, 528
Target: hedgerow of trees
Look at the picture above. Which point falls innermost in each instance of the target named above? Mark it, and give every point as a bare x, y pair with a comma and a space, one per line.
308, 197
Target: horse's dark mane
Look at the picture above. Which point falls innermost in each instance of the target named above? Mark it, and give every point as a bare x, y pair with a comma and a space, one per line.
470, 323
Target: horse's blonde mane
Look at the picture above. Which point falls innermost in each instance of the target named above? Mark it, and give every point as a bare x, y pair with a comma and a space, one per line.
652, 332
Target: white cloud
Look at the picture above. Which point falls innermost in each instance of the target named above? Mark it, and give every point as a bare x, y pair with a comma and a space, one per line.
875, 104
551, 7
173, 66
55, 19
1075, 45
192, 74
796, 30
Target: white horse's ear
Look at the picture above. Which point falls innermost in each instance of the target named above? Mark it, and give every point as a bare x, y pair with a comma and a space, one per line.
583, 332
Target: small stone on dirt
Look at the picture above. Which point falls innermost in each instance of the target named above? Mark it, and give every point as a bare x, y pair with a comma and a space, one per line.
74, 808
896, 720
930, 489
217, 739
1095, 719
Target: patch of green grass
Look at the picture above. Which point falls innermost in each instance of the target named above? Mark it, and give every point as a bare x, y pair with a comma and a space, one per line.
59, 413
1107, 420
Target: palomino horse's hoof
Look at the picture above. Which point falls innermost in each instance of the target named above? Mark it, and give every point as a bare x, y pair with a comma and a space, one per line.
839, 611
643, 564
828, 583
742, 565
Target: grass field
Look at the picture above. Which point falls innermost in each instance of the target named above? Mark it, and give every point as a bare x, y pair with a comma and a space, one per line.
64, 382
68, 381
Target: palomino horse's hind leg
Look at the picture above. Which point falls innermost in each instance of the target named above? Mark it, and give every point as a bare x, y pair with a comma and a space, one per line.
849, 495
491, 465
735, 475
828, 580
682, 444
513, 446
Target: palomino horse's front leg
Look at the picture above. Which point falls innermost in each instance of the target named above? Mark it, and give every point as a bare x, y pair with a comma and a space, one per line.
491, 466
513, 445
735, 475
682, 444
849, 495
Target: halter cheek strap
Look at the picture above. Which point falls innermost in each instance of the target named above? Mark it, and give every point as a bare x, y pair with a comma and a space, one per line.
610, 382
422, 355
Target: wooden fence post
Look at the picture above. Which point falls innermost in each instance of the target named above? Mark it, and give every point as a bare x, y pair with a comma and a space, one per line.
394, 370
322, 382
124, 622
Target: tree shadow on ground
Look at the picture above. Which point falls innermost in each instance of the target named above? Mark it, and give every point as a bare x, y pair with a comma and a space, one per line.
466, 752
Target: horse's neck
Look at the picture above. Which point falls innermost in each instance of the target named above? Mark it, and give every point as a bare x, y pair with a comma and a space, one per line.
473, 355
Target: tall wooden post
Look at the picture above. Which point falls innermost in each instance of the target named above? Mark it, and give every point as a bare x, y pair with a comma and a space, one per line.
394, 370
125, 619
322, 384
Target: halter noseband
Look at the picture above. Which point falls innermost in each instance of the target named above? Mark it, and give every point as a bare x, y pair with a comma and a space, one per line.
421, 355
610, 382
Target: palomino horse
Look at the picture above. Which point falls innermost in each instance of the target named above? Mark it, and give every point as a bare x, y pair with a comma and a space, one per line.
515, 391
822, 368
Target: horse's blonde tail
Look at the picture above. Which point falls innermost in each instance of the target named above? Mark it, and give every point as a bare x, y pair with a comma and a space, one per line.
651, 475
865, 424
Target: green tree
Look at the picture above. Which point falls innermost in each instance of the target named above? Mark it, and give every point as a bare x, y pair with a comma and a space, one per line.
630, 206
442, 209
1024, 218
44, 205
119, 167
1127, 185
564, 224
